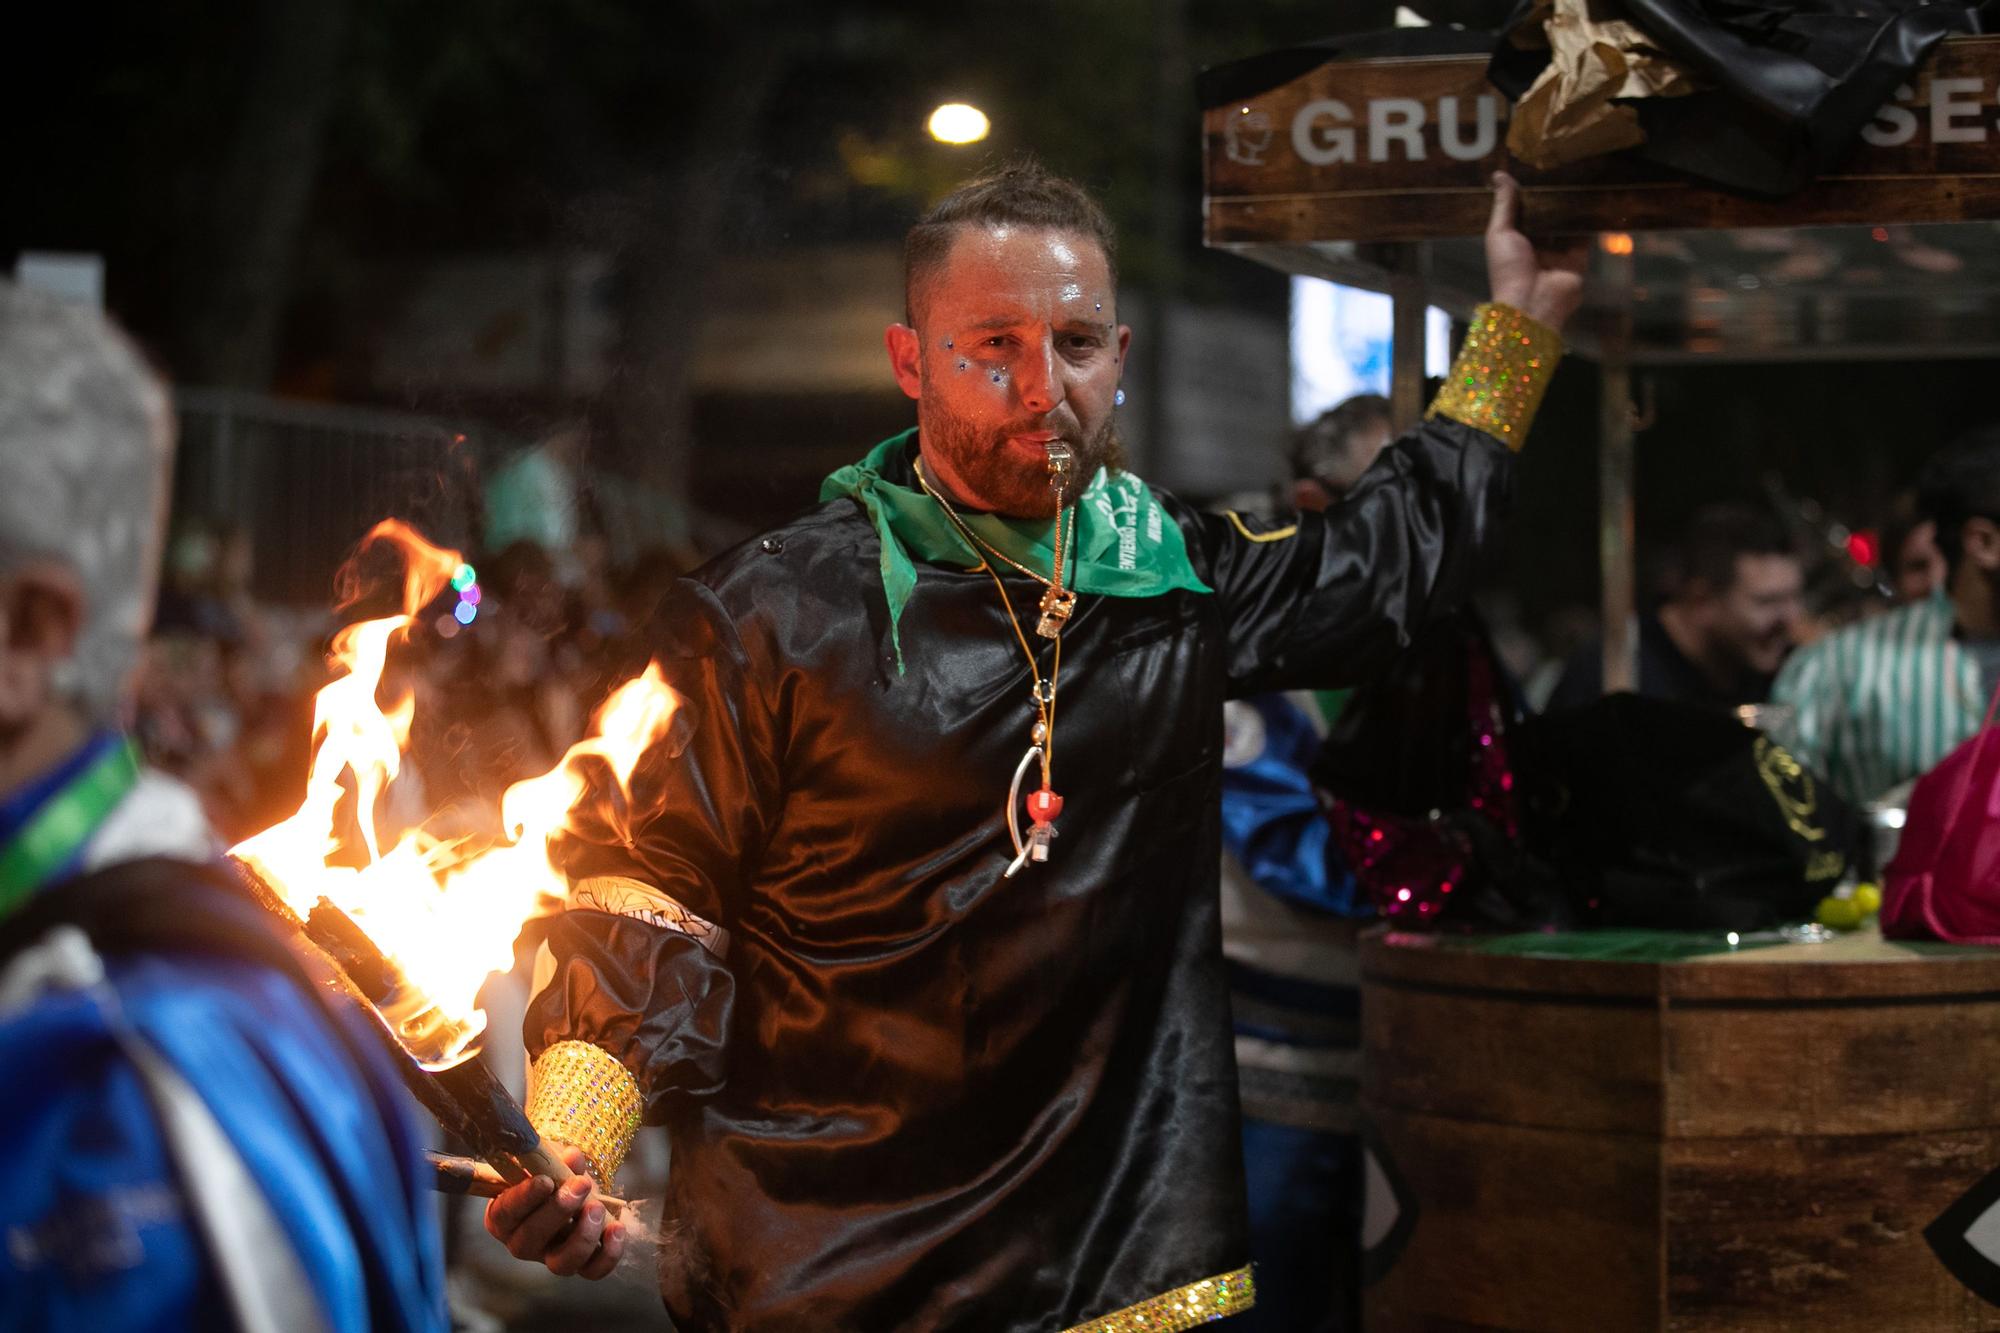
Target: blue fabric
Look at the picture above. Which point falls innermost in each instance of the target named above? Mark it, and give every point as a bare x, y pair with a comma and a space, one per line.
97, 1235
309, 1101
20, 805
1295, 993
1303, 1007
1304, 1185
1305, 1229
1272, 822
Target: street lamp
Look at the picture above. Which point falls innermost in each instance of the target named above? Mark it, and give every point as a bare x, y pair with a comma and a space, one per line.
957, 123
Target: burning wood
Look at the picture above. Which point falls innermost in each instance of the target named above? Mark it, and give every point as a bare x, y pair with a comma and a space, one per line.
413, 932
464, 1096
466, 1175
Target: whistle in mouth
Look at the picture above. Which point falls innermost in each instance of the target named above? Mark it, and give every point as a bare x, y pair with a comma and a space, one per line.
1059, 461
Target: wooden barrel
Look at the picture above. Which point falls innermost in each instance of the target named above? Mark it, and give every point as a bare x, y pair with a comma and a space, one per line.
1753, 1140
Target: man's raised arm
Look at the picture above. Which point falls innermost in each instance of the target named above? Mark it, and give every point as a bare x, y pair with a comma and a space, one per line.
1329, 598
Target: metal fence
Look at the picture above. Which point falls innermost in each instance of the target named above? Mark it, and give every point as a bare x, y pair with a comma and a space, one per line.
306, 480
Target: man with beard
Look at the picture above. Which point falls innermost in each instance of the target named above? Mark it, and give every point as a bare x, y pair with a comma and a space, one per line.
1882, 701
1733, 597
915, 947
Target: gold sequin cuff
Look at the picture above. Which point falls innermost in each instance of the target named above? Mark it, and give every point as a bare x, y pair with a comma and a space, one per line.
581, 1095
1501, 373
1200, 1302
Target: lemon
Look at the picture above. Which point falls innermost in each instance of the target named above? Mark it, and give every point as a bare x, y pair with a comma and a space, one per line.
1868, 897
1839, 913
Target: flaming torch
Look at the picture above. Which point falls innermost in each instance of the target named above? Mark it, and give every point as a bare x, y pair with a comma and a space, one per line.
413, 932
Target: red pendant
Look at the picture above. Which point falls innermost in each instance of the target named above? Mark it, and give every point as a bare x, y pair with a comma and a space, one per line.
1044, 806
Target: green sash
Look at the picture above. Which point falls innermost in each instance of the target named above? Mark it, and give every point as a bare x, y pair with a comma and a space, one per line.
57, 831
1126, 544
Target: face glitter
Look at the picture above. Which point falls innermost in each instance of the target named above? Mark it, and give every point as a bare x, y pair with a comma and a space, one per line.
1006, 289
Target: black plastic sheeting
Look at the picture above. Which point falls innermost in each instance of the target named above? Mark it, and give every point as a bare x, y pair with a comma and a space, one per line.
1788, 86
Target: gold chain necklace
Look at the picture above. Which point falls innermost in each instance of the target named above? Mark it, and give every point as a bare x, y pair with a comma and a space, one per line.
1057, 603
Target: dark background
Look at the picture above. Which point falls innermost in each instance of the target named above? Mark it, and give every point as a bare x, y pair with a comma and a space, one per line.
641, 208
267, 178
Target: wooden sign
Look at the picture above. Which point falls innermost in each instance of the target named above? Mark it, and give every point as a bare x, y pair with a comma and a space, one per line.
1401, 150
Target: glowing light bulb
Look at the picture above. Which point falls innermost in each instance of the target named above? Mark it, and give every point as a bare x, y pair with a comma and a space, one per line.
955, 122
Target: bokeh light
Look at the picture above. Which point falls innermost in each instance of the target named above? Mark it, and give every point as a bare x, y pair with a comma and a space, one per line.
955, 122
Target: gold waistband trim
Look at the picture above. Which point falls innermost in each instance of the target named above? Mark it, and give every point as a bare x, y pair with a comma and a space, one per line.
1200, 1302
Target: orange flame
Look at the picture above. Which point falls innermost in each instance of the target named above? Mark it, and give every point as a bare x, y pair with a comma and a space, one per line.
447, 917
426, 568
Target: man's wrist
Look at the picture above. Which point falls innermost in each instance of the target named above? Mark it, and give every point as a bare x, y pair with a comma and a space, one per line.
1551, 315
579, 1094
1502, 371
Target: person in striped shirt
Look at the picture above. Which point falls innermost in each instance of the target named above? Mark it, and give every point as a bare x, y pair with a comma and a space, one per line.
1880, 702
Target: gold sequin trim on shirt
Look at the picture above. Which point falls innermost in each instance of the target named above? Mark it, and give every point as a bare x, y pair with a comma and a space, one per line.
1200, 1302
581, 1095
1501, 373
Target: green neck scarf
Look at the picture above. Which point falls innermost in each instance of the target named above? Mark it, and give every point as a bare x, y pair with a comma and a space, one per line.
1126, 544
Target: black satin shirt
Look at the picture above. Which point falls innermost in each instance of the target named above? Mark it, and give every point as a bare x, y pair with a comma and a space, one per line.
902, 1091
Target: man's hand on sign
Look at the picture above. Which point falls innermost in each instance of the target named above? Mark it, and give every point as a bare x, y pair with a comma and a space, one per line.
566, 1229
1544, 283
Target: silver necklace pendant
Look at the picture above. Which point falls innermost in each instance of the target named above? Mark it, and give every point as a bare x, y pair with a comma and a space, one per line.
1043, 807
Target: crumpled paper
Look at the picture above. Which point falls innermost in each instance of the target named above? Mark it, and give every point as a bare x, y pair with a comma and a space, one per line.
1572, 112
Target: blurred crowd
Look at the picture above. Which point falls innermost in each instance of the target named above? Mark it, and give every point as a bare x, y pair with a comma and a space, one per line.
226, 688
225, 702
